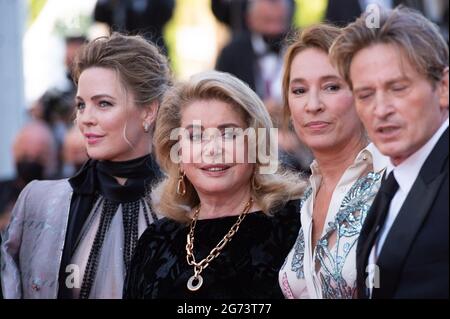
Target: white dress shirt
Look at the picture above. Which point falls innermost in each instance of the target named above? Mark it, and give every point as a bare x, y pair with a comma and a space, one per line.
271, 70
387, 4
406, 174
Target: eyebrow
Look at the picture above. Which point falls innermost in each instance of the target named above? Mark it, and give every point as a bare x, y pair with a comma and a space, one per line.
220, 127
190, 126
323, 78
399, 79
360, 89
388, 83
97, 97
228, 125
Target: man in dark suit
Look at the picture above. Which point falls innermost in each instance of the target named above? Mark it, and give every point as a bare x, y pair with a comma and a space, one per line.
255, 56
400, 79
233, 13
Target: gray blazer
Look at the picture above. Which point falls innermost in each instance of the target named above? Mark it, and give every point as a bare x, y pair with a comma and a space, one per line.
33, 243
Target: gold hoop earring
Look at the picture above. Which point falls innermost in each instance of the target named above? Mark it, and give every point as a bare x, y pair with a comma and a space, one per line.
181, 186
146, 127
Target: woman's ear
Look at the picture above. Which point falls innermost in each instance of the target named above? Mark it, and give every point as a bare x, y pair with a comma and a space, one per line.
149, 113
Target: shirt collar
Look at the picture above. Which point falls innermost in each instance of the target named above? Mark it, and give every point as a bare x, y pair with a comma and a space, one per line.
407, 172
259, 46
370, 153
379, 161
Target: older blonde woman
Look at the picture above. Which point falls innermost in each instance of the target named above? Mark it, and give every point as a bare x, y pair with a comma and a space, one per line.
346, 172
230, 221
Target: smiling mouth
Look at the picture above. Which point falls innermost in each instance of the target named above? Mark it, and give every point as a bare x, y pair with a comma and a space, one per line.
93, 139
215, 168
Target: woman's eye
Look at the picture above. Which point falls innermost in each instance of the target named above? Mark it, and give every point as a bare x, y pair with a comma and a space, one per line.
80, 106
104, 104
195, 137
228, 134
332, 88
298, 91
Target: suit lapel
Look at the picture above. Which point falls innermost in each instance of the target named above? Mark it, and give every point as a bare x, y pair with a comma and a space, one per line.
410, 218
403, 232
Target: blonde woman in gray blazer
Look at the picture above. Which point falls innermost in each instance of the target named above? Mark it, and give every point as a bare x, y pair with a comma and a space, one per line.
74, 238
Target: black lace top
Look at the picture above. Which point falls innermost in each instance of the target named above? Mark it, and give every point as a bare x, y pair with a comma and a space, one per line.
246, 268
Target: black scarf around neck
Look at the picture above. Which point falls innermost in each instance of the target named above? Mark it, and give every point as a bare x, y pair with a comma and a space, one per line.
97, 178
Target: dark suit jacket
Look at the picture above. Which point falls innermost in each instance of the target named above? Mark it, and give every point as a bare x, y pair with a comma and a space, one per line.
148, 20
233, 13
413, 262
239, 59
342, 12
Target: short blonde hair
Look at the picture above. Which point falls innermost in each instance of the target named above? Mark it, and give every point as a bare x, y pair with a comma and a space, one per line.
319, 36
417, 37
273, 190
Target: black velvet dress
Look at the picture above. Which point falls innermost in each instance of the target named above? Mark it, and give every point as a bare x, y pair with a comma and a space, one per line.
246, 268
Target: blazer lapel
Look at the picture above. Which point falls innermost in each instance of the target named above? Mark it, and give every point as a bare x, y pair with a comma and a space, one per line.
411, 216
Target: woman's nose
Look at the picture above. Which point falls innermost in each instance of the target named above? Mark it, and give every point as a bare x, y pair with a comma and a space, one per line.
313, 103
87, 116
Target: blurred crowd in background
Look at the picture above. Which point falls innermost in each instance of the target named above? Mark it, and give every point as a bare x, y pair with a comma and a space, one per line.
242, 37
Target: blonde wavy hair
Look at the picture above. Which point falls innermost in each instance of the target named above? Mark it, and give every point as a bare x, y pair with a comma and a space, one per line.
269, 191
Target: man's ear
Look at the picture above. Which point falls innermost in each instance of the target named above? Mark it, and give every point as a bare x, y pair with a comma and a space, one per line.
443, 89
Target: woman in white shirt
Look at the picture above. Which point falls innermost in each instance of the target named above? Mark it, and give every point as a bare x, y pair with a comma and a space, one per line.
346, 172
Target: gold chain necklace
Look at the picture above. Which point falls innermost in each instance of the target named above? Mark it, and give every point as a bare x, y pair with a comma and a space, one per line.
195, 282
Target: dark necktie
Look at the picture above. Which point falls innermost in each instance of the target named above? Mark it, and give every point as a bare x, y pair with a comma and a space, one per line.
380, 206
374, 224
